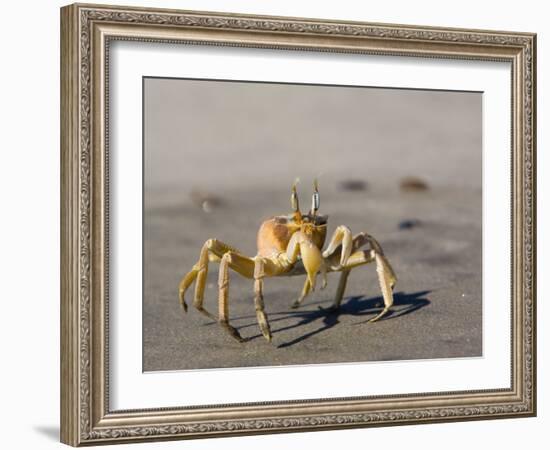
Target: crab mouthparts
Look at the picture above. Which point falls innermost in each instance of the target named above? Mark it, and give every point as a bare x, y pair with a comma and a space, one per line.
317, 220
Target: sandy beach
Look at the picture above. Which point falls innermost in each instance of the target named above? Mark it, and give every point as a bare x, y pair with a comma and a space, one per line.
238, 147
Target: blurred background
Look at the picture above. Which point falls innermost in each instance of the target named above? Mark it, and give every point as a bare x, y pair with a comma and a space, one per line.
404, 165
221, 134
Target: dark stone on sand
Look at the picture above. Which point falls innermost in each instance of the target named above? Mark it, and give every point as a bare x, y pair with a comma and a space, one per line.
409, 224
413, 184
353, 185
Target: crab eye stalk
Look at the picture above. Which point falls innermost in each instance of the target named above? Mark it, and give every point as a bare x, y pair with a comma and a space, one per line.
315, 199
294, 202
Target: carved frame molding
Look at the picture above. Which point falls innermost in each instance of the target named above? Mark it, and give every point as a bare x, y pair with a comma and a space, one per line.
86, 31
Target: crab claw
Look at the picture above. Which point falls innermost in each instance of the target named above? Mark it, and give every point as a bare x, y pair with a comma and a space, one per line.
313, 262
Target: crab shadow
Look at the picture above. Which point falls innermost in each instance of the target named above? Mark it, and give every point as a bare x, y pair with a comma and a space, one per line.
356, 306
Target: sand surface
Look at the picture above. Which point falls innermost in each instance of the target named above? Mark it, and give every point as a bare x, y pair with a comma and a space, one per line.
437, 310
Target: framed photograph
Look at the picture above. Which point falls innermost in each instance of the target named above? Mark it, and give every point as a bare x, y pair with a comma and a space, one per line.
275, 224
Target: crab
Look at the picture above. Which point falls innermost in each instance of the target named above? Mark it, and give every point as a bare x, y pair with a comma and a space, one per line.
289, 245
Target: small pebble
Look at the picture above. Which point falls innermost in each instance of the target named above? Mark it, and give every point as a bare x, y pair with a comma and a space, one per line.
353, 185
205, 200
409, 224
413, 184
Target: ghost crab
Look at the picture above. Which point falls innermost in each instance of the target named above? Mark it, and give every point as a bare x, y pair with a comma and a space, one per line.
289, 245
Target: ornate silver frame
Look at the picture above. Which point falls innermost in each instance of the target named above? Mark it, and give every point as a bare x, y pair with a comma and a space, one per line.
86, 31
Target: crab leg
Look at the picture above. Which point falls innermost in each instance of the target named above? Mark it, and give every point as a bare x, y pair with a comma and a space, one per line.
364, 238
202, 272
212, 250
223, 286
342, 235
353, 260
259, 274
359, 240
386, 276
341, 289
185, 282
387, 279
357, 259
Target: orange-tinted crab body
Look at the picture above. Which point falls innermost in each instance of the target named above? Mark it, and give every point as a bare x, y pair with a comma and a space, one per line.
275, 234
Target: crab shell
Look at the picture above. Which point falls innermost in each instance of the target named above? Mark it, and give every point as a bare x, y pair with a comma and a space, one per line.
275, 233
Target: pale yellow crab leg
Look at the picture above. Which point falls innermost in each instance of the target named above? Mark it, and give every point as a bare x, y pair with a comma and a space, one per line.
212, 250
341, 288
185, 282
200, 283
363, 238
357, 259
342, 235
359, 240
259, 274
387, 280
223, 298
386, 275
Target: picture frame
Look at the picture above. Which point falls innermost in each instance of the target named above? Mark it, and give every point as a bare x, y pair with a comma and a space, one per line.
87, 31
